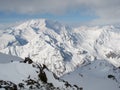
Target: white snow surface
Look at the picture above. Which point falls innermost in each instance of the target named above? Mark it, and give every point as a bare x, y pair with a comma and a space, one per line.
94, 76
8, 58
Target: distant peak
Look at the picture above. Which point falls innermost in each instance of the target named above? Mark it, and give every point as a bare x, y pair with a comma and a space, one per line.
40, 23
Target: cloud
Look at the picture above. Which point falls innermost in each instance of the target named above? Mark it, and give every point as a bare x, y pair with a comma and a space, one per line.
107, 11
35, 6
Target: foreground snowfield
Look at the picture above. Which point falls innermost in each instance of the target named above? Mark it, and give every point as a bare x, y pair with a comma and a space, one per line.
8, 58
92, 51
92, 76
17, 75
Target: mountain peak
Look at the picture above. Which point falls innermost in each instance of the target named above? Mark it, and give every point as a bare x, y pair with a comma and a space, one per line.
32, 23
40, 25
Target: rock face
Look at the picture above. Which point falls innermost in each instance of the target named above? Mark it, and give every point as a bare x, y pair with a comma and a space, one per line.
28, 60
7, 85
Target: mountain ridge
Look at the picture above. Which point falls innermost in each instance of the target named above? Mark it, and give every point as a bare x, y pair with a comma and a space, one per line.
60, 47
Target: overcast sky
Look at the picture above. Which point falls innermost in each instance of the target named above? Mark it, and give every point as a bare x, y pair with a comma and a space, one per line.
66, 11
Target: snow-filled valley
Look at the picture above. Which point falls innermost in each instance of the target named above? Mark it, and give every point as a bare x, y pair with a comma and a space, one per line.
86, 58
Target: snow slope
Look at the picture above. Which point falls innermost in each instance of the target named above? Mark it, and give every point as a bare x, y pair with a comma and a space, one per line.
8, 58
94, 76
25, 76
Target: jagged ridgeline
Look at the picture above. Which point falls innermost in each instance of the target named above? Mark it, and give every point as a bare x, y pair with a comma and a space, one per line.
36, 77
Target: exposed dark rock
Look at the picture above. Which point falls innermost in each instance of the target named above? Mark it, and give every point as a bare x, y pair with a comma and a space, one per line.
21, 85
44, 67
55, 76
67, 84
81, 74
81, 88
30, 82
7, 85
50, 84
27, 59
42, 76
78, 88
119, 67
111, 77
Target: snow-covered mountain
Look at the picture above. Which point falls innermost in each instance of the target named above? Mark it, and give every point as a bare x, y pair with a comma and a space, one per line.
92, 51
61, 48
44, 41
